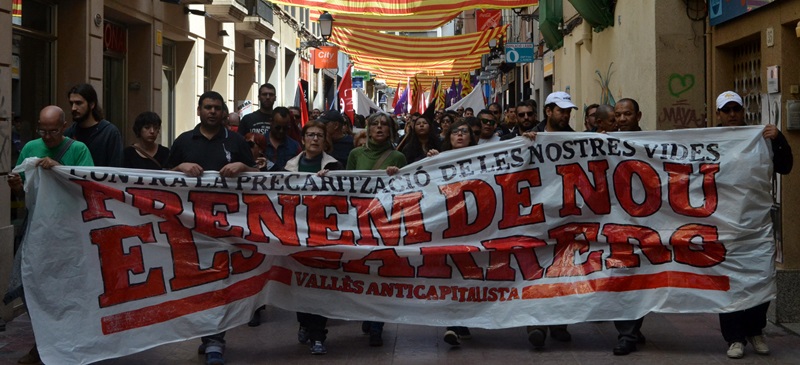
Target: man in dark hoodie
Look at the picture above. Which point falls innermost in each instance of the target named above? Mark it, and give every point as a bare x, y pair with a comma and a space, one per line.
102, 137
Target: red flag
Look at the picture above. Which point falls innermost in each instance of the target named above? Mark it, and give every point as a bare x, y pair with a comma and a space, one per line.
303, 105
415, 96
396, 96
346, 95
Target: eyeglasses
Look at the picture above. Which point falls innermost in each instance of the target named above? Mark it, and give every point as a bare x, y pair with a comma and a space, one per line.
728, 109
523, 114
379, 123
315, 135
43, 132
487, 121
459, 131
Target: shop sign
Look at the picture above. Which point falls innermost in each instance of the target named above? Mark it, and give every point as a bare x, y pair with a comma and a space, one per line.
114, 38
325, 57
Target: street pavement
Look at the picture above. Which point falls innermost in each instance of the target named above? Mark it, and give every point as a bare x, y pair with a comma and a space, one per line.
673, 339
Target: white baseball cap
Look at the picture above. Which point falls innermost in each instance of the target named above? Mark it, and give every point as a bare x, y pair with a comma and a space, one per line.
727, 97
562, 99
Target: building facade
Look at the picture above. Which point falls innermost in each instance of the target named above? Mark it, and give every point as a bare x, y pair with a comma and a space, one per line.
142, 55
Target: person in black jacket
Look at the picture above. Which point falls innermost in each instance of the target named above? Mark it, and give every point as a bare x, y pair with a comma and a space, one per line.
102, 137
526, 120
740, 327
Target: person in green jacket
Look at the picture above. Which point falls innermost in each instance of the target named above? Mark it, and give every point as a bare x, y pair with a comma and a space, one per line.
378, 154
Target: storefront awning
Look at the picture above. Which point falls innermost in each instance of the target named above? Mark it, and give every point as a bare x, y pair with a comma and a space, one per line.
598, 13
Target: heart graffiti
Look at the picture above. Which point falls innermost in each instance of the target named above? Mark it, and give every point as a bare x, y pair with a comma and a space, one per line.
679, 84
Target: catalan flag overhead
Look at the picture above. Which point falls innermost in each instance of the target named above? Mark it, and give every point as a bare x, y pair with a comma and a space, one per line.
404, 7
402, 23
361, 42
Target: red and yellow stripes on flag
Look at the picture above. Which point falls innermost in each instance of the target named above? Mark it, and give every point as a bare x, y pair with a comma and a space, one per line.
466, 84
441, 94
402, 23
414, 95
404, 7
16, 11
434, 88
360, 42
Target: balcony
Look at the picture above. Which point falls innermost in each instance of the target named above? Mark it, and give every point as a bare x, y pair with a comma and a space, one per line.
227, 11
255, 27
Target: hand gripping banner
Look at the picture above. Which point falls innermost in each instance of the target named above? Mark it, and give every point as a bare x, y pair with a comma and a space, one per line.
568, 228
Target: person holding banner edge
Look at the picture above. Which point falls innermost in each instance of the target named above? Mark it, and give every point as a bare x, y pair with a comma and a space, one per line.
746, 326
53, 149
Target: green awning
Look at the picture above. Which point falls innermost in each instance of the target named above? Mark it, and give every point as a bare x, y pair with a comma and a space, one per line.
598, 13
550, 19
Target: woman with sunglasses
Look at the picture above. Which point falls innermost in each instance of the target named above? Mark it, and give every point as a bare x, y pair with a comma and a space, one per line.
258, 143
313, 159
446, 121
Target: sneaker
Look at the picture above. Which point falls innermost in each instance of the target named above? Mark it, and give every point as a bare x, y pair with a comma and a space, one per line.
560, 334
463, 333
451, 338
759, 344
302, 335
365, 326
536, 338
32, 357
214, 358
201, 349
736, 350
318, 348
375, 339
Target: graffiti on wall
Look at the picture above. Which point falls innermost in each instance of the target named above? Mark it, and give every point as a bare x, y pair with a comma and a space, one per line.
680, 84
681, 115
605, 91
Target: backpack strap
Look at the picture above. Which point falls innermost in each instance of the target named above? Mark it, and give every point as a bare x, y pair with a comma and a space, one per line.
383, 158
63, 150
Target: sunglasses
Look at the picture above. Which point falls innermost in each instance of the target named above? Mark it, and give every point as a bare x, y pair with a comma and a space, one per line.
278, 128
487, 121
523, 114
728, 109
251, 144
495, 112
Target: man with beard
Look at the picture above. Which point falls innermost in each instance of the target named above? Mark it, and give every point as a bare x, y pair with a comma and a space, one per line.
102, 137
211, 147
525, 120
590, 118
557, 109
260, 120
341, 143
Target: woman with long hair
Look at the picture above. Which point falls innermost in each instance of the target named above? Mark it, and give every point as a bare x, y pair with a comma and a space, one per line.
423, 137
459, 135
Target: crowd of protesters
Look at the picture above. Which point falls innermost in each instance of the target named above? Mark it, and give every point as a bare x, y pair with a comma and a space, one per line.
272, 139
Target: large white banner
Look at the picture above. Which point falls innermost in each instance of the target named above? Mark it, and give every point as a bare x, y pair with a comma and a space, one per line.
569, 228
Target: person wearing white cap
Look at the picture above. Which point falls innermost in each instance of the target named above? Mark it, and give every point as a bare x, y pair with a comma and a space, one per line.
557, 109
740, 327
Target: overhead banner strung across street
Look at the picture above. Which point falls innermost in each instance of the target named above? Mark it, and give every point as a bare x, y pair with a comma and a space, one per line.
569, 228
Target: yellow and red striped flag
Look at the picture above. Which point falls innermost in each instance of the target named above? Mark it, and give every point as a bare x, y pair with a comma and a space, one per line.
404, 7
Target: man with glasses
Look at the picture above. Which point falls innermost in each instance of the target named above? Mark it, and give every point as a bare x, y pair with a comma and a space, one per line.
589, 118
211, 147
525, 120
488, 127
497, 112
259, 121
280, 148
53, 149
746, 326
